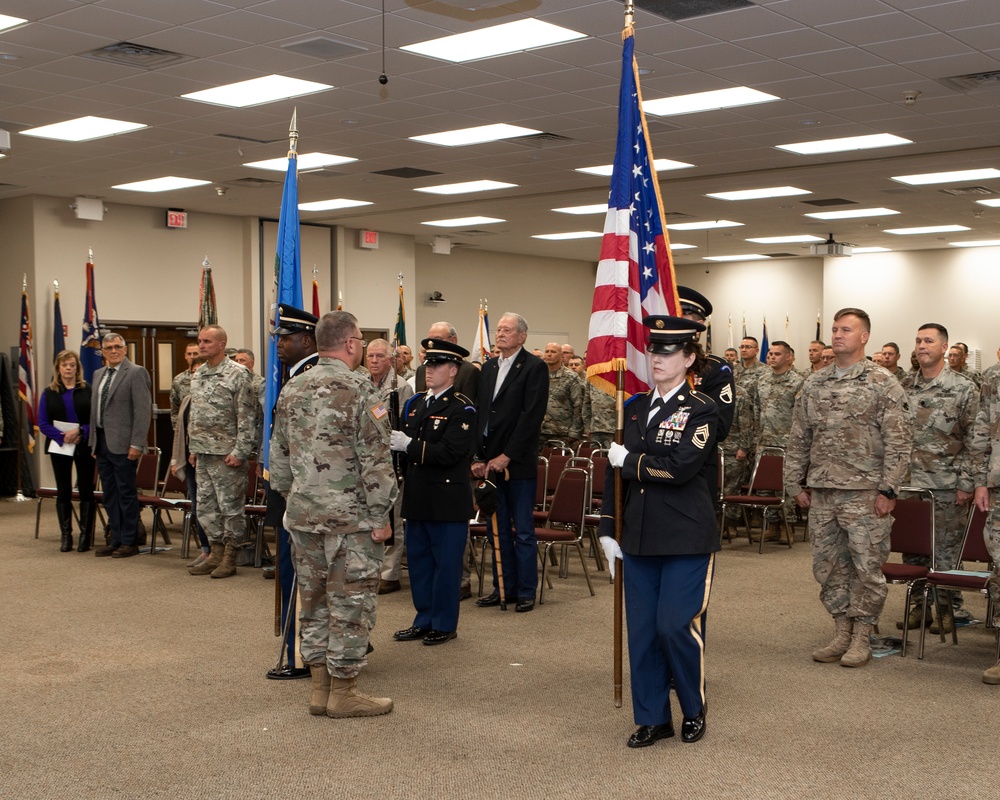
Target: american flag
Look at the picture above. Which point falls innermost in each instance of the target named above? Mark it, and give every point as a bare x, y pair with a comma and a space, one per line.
26, 371
635, 274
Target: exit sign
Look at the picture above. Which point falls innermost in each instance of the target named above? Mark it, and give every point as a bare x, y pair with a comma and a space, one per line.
368, 240
177, 218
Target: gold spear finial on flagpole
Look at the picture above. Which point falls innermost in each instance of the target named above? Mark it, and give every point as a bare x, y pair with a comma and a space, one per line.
293, 133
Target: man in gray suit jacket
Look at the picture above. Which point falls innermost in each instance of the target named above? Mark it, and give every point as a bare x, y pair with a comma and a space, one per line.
119, 422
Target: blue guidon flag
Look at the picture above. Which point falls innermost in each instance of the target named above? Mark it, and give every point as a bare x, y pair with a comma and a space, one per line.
635, 273
90, 347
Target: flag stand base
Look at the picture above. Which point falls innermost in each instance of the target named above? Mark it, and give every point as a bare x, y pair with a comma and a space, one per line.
18, 498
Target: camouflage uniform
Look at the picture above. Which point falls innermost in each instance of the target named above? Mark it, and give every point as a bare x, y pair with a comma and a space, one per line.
600, 419
179, 389
330, 458
392, 562
222, 420
753, 373
564, 414
972, 375
742, 435
850, 437
258, 389
986, 472
776, 398
944, 415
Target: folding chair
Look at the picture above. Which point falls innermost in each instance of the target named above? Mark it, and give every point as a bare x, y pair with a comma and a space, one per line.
565, 523
161, 503
767, 477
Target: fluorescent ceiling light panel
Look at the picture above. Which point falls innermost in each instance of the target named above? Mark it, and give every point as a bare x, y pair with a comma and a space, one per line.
9, 22
852, 213
679, 246
330, 205
858, 250
497, 40
869, 142
459, 222
557, 237
758, 194
989, 203
980, 243
257, 91
927, 229
706, 101
83, 129
477, 135
806, 237
305, 161
704, 226
160, 184
468, 187
659, 164
949, 177
748, 257
596, 208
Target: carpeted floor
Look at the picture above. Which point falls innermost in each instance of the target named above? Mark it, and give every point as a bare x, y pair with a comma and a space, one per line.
131, 679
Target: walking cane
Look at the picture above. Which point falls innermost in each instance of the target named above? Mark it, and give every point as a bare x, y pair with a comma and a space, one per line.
486, 499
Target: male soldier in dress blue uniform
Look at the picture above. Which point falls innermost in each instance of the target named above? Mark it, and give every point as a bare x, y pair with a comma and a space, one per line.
437, 440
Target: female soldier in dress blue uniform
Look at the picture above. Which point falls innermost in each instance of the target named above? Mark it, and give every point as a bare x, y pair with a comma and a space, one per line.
669, 533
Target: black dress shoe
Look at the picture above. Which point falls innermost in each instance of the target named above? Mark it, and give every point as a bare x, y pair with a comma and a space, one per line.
645, 735
524, 605
489, 600
440, 637
411, 634
693, 729
466, 593
287, 673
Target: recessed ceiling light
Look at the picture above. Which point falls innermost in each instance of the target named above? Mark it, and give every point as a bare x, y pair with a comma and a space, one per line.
659, 164
980, 243
989, 203
703, 226
257, 91
806, 237
927, 229
843, 145
10, 22
330, 205
305, 161
160, 184
852, 213
497, 40
949, 177
871, 250
596, 208
758, 194
747, 257
477, 135
679, 246
459, 222
467, 187
83, 129
706, 101
556, 237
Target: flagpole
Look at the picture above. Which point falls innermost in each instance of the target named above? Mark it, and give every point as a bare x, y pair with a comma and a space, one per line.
19, 497
619, 514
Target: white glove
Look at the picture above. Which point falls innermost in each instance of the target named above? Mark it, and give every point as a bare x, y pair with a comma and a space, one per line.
612, 550
616, 454
399, 441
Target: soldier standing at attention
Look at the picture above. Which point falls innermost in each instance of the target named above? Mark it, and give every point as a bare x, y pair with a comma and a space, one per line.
986, 463
222, 435
330, 458
564, 412
846, 457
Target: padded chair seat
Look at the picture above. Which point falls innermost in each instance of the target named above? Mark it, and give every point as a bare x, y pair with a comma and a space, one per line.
752, 499
555, 535
903, 573
973, 583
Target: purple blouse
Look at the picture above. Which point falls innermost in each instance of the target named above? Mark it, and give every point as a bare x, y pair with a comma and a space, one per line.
45, 424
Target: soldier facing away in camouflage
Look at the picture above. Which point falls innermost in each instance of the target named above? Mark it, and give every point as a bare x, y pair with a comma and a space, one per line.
776, 390
564, 412
944, 405
330, 458
222, 435
181, 385
846, 457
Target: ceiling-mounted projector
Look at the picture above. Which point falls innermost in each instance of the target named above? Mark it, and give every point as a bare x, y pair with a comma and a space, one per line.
832, 248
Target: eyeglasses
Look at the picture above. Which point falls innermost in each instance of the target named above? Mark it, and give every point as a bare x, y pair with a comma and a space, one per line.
358, 338
113, 347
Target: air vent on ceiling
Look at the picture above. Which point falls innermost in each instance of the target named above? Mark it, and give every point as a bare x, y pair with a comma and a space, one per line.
541, 140
473, 232
324, 47
250, 139
405, 172
964, 191
252, 183
784, 255
688, 9
977, 81
830, 201
136, 55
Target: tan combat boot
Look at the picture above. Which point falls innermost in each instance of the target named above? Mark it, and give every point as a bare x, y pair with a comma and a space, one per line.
945, 621
210, 563
227, 567
840, 643
320, 689
347, 701
860, 651
992, 675
914, 618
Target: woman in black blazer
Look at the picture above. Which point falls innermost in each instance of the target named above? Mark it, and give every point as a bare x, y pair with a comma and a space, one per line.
669, 533
67, 401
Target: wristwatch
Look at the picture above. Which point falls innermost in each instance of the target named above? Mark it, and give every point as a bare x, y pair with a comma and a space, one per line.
887, 493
